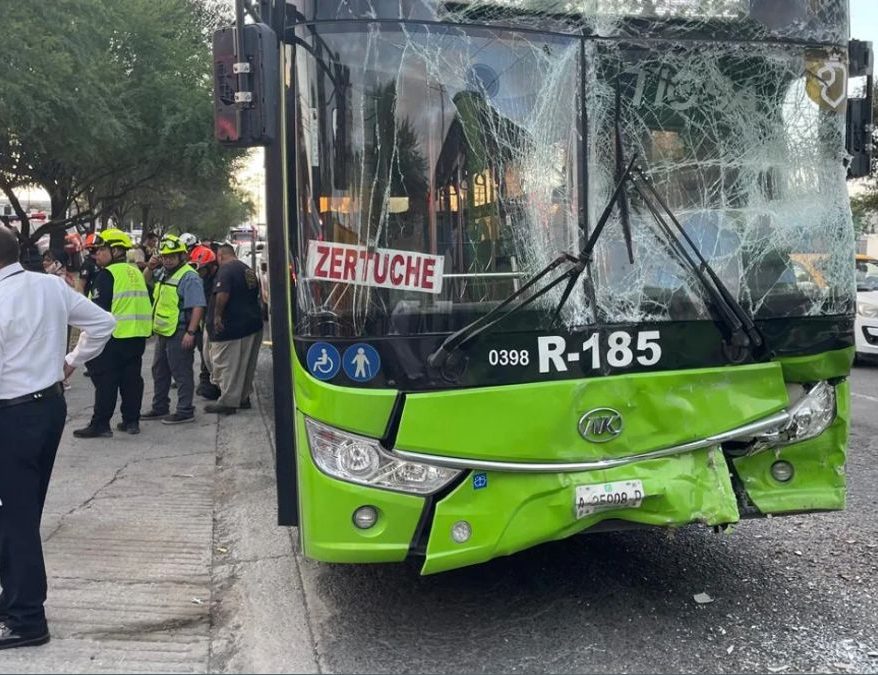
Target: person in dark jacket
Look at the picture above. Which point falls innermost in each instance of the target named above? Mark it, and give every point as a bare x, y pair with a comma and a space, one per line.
203, 259
118, 288
234, 323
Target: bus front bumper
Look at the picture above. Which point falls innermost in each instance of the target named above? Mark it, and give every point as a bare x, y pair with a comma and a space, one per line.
490, 513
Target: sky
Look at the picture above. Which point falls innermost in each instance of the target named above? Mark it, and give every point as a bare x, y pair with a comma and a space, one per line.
864, 20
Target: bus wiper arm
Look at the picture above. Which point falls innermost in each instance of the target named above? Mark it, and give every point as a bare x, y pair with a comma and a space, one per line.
459, 338
744, 336
576, 265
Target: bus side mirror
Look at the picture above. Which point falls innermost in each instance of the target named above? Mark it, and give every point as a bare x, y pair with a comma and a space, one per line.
245, 88
858, 131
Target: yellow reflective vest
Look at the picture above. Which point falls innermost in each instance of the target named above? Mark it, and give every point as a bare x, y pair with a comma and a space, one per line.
130, 305
166, 302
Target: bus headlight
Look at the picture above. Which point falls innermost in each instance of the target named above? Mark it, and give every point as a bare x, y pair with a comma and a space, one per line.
808, 418
358, 459
813, 413
867, 310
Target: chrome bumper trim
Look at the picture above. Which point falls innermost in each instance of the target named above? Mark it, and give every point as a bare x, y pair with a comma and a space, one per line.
745, 431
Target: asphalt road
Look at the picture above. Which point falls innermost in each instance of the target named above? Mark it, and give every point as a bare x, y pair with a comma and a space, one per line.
790, 594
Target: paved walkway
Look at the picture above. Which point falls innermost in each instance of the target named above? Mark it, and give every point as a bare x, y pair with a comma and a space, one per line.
141, 542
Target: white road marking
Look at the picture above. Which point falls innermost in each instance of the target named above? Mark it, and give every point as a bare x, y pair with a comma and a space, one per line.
865, 396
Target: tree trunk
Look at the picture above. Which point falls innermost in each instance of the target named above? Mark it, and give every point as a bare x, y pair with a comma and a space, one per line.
19, 211
144, 219
59, 203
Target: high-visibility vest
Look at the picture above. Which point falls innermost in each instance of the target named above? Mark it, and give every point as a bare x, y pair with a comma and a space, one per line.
130, 306
166, 303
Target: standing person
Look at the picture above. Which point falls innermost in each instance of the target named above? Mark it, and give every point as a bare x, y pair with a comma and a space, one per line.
152, 260
136, 257
203, 259
150, 244
234, 325
56, 263
35, 310
89, 267
177, 310
189, 240
119, 288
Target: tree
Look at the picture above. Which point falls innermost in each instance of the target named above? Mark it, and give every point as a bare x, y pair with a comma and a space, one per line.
61, 104
111, 111
208, 211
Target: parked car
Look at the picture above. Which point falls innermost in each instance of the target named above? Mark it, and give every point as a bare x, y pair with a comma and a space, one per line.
866, 322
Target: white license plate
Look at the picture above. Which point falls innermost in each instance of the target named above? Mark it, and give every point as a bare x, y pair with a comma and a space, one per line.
623, 494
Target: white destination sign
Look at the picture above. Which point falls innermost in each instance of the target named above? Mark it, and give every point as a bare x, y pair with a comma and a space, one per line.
380, 267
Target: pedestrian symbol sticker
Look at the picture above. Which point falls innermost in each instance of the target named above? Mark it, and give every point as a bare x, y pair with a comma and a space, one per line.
323, 361
361, 362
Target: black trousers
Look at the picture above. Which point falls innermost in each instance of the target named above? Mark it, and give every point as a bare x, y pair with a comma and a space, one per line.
115, 373
29, 438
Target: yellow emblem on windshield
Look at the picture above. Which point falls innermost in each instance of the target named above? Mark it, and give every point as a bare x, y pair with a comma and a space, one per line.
827, 80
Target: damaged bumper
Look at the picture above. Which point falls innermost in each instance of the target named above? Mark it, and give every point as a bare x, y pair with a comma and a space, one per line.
507, 500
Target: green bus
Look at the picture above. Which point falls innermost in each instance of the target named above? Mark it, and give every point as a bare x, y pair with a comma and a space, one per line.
550, 267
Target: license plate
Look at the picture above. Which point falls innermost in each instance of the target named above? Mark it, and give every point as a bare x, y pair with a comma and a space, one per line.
623, 494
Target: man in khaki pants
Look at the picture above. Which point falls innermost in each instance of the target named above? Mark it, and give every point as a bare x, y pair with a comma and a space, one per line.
234, 326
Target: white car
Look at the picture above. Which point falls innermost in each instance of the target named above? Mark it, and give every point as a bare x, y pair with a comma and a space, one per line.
866, 323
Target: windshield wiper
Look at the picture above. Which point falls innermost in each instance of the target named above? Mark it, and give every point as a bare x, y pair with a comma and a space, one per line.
576, 264
744, 337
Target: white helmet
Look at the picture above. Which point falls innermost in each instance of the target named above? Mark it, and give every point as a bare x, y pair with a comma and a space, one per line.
189, 239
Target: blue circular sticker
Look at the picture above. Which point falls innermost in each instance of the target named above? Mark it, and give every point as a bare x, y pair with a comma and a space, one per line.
361, 362
323, 361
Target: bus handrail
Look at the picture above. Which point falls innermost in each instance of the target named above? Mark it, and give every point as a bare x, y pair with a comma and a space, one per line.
485, 275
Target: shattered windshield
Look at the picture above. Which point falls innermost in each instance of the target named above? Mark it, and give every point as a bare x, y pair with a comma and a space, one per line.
443, 159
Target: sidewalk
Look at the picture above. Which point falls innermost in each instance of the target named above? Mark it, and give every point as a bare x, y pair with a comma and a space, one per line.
136, 545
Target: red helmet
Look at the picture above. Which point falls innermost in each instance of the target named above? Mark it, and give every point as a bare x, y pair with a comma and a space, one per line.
90, 240
201, 256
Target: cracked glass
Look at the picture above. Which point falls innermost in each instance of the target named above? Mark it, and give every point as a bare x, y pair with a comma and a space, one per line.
478, 140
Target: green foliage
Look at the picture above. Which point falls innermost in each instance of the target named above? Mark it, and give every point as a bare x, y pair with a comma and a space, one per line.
865, 205
209, 212
107, 105
865, 210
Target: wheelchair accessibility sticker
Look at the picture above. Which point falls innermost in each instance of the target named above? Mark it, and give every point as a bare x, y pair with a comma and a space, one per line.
323, 361
361, 362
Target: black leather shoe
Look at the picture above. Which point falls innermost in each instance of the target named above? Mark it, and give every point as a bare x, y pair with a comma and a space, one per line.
245, 404
10, 638
129, 427
92, 432
154, 415
209, 391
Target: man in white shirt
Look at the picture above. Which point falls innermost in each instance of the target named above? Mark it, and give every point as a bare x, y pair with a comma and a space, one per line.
35, 310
